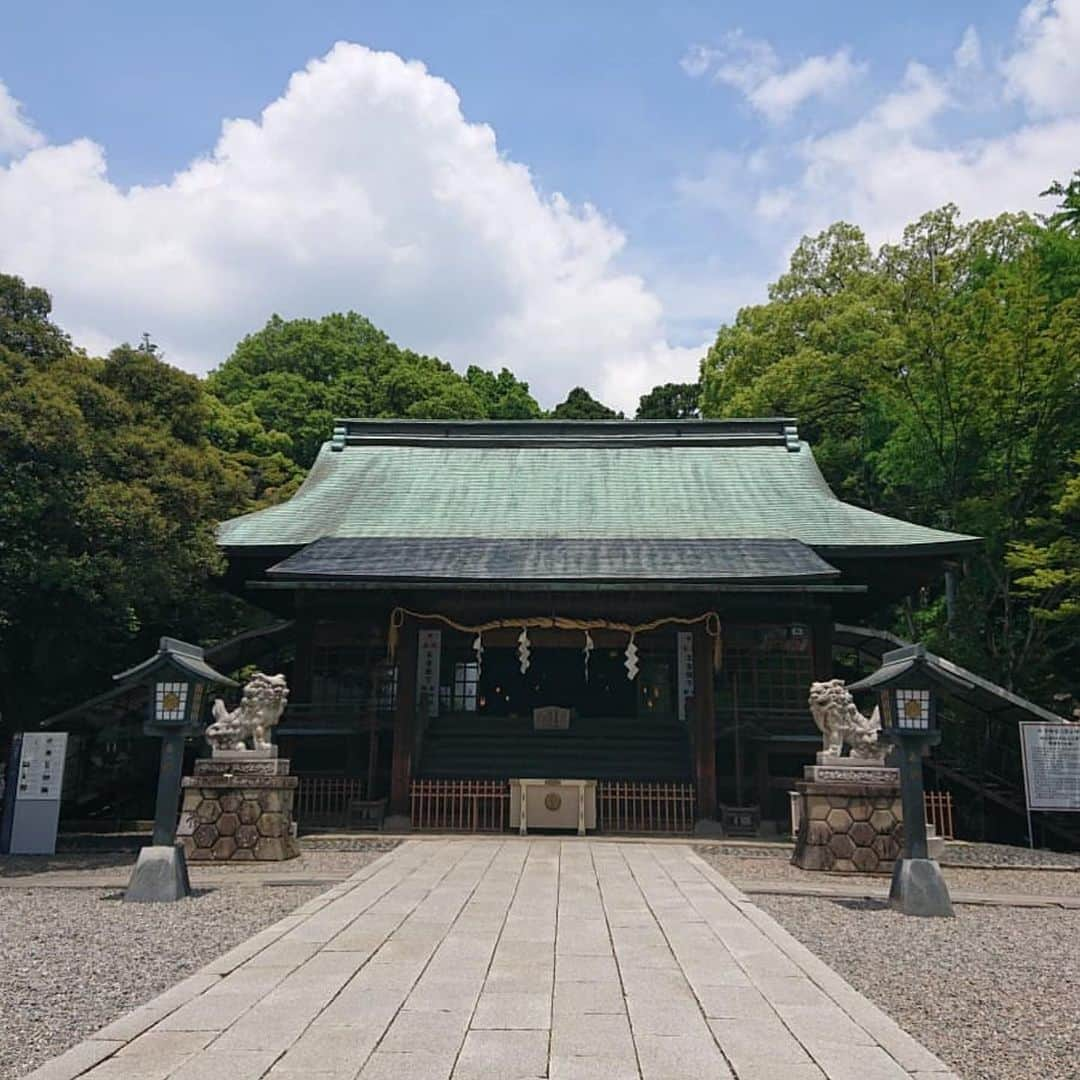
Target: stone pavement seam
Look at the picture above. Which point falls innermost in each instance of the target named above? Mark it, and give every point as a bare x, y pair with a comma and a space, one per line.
76, 1061
909, 1054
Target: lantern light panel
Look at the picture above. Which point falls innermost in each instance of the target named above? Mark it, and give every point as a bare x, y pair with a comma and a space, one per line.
913, 709
170, 701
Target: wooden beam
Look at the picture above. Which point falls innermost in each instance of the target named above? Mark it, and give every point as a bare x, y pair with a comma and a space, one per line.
705, 725
404, 720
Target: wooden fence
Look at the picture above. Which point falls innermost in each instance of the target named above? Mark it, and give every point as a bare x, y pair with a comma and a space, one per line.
939, 812
460, 805
484, 806
324, 800
630, 806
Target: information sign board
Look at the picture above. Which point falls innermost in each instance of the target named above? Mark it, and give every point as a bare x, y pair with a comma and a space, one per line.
1051, 754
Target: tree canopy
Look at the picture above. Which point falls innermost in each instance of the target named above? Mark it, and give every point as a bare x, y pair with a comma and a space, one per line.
581, 405
938, 380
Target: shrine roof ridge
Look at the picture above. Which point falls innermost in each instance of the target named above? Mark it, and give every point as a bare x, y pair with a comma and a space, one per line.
752, 431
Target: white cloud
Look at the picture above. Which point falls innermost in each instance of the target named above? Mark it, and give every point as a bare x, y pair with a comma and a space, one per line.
16, 133
1044, 71
752, 67
892, 165
968, 53
362, 186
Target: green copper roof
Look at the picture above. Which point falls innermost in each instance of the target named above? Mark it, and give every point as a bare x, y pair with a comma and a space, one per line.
749, 479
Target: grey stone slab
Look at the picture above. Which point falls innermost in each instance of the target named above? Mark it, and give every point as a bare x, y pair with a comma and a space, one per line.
756, 1042
523, 978
654, 1015
152, 1056
680, 1057
220, 1064
419, 1065
780, 1072
146, 1016
502, 1055
858, 1063
445, 993
330, 1049
76, 1061
513, 1010
596, 1035
823, 1025
735, 1003
592, 1068
792, 990
585, 968
585, 998
434, 1033
361, 1009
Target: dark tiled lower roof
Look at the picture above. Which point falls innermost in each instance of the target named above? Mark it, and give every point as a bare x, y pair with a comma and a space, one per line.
481, 559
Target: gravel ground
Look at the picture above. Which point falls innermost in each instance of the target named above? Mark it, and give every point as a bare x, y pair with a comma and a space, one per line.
961, 853
994, 992
73, 960
747, 870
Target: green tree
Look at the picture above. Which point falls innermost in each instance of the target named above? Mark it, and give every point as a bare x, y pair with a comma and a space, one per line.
939, 381
110, 491
581, 405
671, 401
299, 375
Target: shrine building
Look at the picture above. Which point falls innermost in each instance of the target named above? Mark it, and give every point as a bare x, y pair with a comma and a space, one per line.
639, 604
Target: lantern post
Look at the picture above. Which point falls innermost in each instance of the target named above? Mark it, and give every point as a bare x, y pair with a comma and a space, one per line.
178, 678
906, 685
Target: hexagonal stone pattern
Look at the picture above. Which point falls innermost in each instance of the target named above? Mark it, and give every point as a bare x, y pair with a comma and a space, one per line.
240, 816
851, 833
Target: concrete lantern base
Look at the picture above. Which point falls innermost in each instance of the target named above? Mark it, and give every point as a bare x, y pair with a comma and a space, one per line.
918, 888
160, 876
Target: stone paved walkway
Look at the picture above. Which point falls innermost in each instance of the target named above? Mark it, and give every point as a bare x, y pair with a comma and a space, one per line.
496, 959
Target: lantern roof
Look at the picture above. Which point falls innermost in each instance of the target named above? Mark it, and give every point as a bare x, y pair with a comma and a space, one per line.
901, 666
175, 655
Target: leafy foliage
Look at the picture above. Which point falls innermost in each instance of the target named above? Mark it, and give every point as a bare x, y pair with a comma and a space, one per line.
581, 405
671, 401
297, 376
939, 381
109, 495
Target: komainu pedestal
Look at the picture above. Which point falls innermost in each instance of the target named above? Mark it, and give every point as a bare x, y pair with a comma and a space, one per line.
850, 819
239, 807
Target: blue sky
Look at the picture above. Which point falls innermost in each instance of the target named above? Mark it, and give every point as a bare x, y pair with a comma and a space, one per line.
580, 191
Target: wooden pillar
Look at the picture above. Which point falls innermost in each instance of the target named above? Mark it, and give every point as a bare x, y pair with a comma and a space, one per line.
404, 721
821, 644
705, 726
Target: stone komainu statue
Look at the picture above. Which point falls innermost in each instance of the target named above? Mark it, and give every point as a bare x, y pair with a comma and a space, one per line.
261, 704
835, 714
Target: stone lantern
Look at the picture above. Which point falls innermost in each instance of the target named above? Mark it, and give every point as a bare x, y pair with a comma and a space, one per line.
178, 678
906, 685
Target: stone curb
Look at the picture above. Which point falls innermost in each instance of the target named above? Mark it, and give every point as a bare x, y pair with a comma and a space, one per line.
907, 1051
93, 1050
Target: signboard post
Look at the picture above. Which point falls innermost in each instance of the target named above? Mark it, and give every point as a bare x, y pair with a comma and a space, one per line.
1051, 756
35, 781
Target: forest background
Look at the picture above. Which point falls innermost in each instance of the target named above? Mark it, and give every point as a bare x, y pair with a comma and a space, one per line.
937, 379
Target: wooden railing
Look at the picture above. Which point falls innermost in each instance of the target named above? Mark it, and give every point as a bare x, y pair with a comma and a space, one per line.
460, 805
939, 812
483, 806
630, 806
325, 799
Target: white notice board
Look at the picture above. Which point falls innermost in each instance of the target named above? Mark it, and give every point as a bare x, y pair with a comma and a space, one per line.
41, 766
1051, 754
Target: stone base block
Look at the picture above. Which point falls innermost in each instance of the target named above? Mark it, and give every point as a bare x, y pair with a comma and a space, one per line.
848, 828
918, 888
160, 876
239, 811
